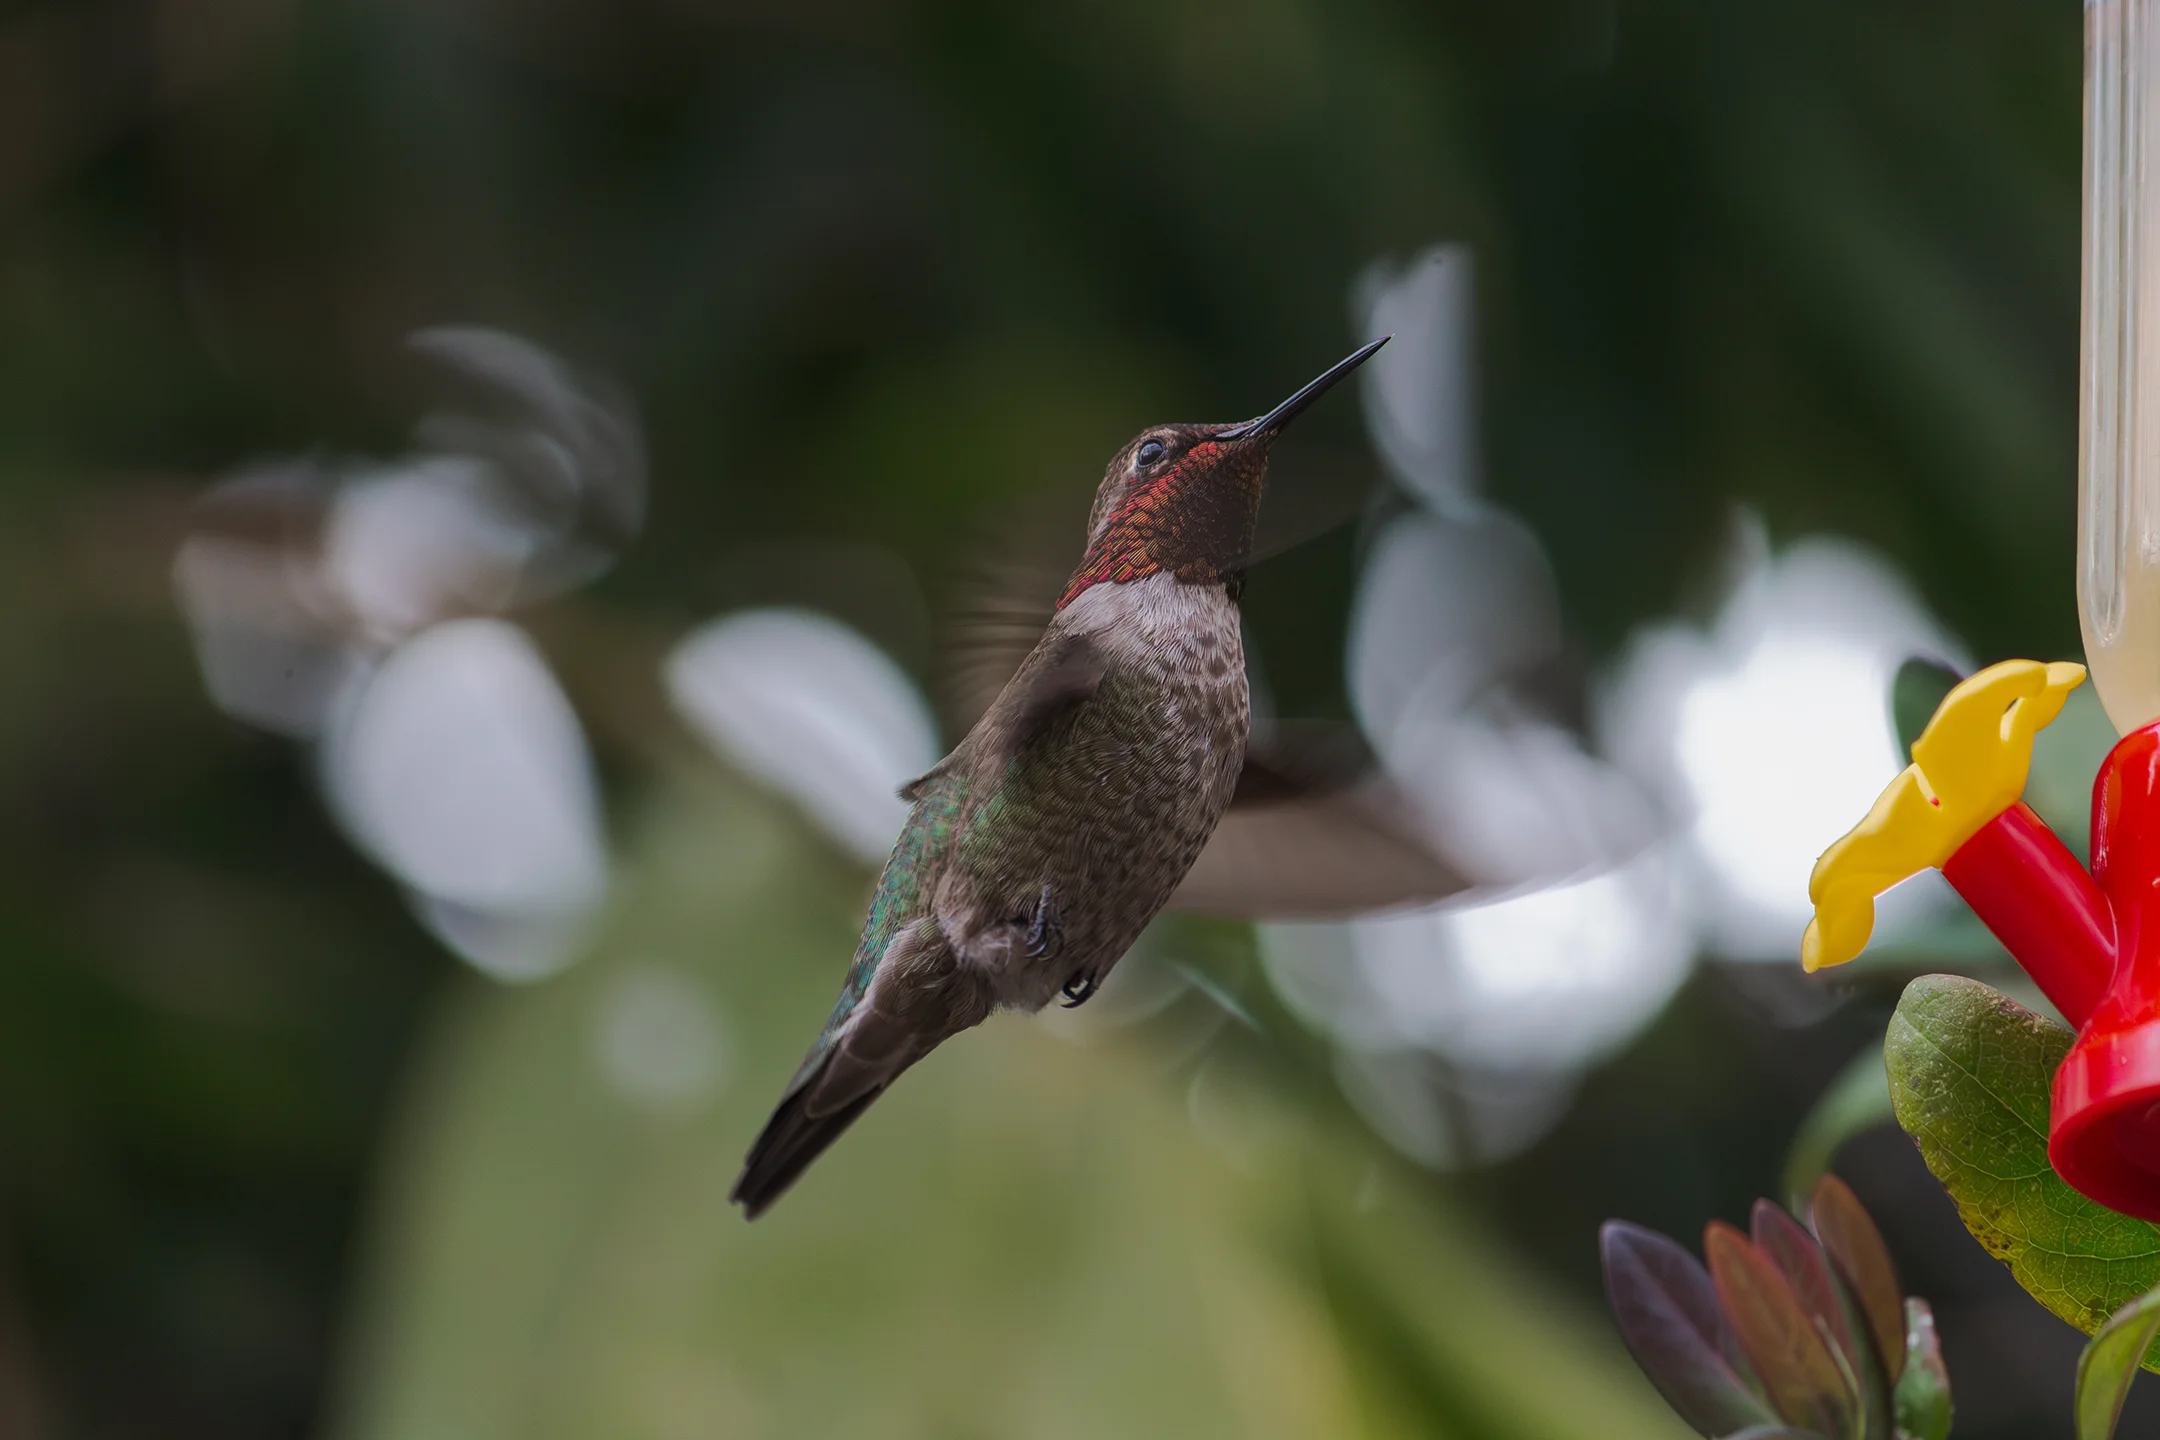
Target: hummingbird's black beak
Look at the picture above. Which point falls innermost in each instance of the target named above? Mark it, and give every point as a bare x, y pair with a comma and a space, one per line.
1272, 423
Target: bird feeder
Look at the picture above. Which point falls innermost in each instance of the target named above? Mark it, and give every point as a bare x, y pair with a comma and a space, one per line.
2090, 941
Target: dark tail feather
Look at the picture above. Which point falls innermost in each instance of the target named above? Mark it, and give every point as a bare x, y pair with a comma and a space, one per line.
789, 1142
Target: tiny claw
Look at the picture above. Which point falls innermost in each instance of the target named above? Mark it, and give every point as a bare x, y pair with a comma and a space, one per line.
1045, 935
1079, 990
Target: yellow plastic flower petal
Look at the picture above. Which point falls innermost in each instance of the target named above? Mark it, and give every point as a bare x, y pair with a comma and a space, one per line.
1969, 766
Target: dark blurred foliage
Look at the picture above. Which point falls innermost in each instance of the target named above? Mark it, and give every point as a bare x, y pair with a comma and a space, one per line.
875, 271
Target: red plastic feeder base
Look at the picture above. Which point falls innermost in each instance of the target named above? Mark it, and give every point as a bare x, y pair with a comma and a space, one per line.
2083, 939
2105, 1136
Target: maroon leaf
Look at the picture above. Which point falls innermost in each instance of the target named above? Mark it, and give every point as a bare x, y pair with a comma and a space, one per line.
1804, 1380
1787, 1242
1856, 1248
1669, 1316
1829, 1303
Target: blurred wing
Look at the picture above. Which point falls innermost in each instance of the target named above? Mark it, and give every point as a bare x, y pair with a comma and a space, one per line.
1003, 610
1309, 494
1056, 676
1062, 673
1314, 831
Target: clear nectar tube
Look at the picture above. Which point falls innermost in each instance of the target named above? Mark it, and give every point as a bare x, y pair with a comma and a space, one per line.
2118, 564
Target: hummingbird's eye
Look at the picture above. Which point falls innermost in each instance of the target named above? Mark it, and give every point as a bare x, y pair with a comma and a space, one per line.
1149, 453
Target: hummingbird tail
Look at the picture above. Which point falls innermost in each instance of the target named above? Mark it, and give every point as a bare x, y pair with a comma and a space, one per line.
919, 995
791, 1139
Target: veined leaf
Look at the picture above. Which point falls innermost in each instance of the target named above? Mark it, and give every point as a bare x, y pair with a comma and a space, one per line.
1669, 1315
2110, 1363
1805, 1383
1794, 1251
1970, 1071
1829, 1302
1856, 1248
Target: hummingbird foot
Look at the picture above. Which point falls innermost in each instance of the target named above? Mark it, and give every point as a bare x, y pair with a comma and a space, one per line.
1045, 936
1079, 990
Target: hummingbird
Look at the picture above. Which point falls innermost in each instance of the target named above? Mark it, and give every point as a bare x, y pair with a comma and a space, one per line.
1115, 773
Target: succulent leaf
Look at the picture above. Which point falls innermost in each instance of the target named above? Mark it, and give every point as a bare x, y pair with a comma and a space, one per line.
1862, 1261
1923, 1390
1670, 1318
1794, 1251
1791, 1356
1829, 1303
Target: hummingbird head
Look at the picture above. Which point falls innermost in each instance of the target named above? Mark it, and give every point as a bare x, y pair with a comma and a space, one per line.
1182, 499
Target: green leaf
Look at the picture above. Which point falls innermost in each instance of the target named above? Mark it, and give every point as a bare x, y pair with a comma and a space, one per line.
1856, 1101
2109, 1364
1923, 1390
1970, 1071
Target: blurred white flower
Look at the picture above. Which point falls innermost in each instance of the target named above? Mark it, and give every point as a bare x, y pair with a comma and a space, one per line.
460, 768
408, 544
1420, 392
1723, 764
1547, 981
1515, 799
1451, 614
1485, 985
564, 453
1456, 609
812, 709
342, 603
1461, 1029
266, 657
1771, 735
1446, 610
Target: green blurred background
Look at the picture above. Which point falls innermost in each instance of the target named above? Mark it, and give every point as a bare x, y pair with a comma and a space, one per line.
274, 1163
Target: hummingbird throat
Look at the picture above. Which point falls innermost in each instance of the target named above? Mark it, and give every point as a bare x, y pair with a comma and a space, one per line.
1194, 521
